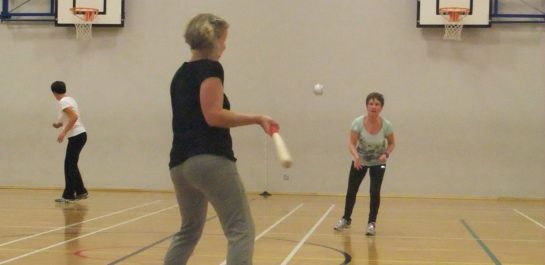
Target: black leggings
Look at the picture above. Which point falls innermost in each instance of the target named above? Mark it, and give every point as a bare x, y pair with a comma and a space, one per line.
72, 177
354, 180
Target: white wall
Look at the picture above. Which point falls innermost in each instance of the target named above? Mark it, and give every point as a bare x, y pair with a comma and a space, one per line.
468, 116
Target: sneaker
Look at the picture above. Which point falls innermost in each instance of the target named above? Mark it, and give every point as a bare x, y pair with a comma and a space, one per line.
82, 196
342, 224
64, 200
371, 229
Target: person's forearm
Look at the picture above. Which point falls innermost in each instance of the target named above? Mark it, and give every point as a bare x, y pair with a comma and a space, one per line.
390, 148
69, 125
228, 119
353, 150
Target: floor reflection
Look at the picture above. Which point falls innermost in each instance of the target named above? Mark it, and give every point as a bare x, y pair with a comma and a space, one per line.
373, 258
347, 247
372, 253
74, 215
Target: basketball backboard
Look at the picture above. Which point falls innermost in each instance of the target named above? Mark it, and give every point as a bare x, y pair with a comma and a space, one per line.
428, 14
110, 12
28, 11
483, 13
518, 11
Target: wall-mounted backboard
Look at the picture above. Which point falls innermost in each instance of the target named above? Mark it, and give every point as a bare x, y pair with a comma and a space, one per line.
24, 10
428, 14
110, 12
518, 11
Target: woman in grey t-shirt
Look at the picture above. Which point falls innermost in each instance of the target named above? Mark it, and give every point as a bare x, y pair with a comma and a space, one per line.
371, 142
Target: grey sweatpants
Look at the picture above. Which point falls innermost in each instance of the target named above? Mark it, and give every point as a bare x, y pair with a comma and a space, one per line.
210, 178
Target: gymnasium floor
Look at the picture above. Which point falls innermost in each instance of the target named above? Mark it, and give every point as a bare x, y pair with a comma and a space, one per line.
135, 228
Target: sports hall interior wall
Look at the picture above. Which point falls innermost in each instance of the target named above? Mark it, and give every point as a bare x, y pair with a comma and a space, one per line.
468, 116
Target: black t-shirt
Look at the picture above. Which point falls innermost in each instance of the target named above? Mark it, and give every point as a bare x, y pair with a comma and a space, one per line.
192, 135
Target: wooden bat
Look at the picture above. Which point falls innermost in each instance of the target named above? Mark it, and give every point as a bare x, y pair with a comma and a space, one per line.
281, 150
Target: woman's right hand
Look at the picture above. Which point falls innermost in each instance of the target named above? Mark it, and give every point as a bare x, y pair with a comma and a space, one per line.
357, 163
57, 125
266, 123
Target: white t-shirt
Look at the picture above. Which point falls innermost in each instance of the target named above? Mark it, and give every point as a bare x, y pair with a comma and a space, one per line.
67, 102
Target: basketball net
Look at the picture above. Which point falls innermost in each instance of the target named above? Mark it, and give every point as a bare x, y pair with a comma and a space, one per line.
84, 30
454, 23
84, 26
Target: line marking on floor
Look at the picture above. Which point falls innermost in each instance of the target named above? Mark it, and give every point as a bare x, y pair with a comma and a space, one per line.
86, 235
149, 246
273, 225
86, 221
528, 217
481, 243
296, 249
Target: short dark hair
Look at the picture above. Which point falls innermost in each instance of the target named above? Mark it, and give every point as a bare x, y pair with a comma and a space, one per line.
58, 87
375, 95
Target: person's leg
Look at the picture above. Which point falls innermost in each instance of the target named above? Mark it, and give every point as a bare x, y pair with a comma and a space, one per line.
71, 171
79, 187
193, 207
220, 182
354, 181
377, 175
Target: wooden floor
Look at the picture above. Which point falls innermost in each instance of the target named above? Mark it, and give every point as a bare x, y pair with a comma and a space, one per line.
135, 228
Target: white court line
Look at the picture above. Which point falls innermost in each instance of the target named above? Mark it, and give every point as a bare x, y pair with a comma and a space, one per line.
461, 238
278, 222
290, 256
89, 220
272, 226
527, 217
86, 235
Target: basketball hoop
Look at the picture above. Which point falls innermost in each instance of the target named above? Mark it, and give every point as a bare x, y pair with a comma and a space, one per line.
84, 26
454, 23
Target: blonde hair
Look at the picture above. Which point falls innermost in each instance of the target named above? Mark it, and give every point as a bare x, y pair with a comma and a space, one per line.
203, 31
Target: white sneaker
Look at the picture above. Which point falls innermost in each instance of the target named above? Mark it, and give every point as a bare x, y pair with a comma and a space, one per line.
342, 224
63, 200
82, 196
371, 229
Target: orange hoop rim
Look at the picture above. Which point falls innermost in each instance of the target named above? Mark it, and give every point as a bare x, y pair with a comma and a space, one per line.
454, 13
89, 13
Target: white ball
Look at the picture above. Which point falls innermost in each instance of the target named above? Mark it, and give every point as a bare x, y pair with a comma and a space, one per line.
318, 89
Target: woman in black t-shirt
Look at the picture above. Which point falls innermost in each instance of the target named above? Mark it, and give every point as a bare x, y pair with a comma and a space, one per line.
202, 162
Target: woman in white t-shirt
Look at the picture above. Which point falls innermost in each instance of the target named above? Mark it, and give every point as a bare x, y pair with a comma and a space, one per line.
72, 128
371, 143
